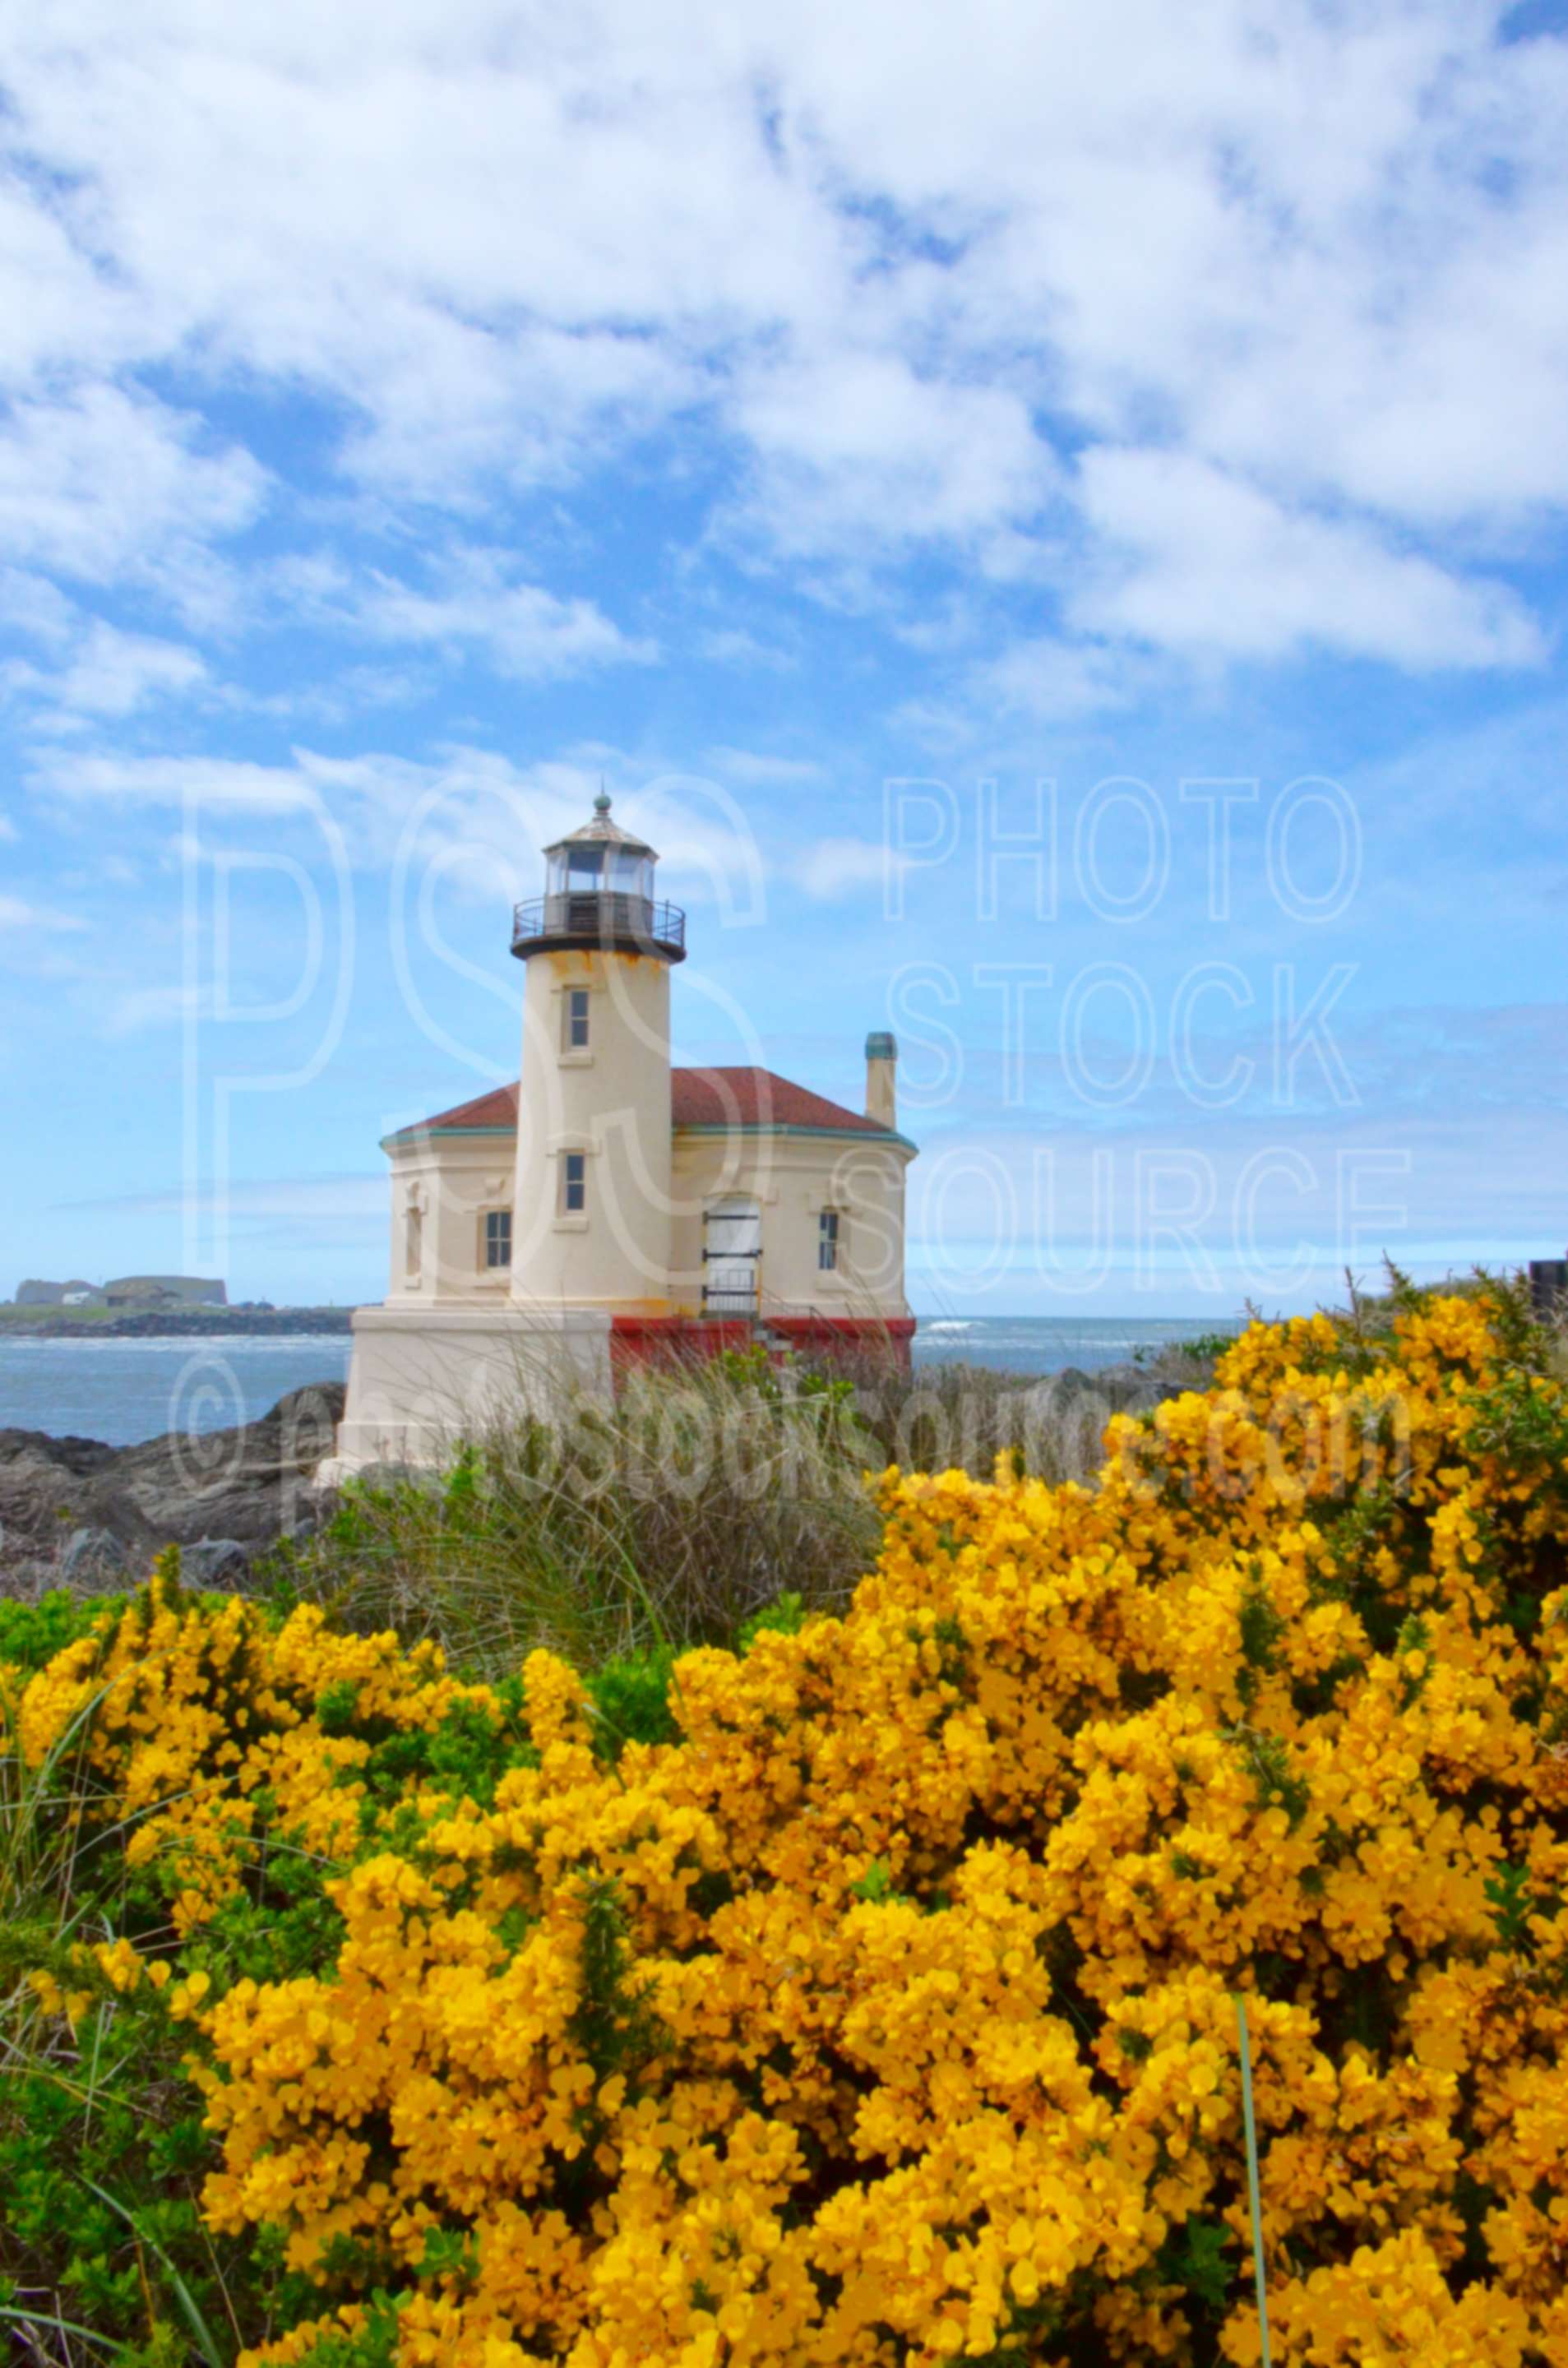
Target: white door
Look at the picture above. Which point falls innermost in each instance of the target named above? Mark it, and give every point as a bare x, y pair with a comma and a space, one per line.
732, 1257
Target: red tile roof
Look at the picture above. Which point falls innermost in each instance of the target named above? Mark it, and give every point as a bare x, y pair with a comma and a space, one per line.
757, 1097
496, 1108
732, 1098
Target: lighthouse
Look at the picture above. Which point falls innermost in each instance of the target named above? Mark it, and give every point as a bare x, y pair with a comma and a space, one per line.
609, 1207
592, 1204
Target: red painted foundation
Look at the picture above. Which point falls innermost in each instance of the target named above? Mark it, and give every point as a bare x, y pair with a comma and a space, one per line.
669, 1342
859, 1339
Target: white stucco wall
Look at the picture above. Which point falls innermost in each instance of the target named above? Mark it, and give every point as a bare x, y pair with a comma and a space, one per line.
612, 1103
458, 1178
454, 1179
794, 1177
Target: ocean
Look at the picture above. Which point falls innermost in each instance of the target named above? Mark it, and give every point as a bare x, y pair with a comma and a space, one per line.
1047, 1344
122, 1391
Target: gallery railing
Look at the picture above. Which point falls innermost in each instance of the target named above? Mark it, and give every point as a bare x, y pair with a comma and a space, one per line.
598, 918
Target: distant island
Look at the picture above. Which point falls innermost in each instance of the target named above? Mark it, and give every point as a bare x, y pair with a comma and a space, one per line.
127, 1291
152, 1306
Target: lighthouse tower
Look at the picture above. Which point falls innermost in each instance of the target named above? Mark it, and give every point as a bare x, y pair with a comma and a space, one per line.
591, 1208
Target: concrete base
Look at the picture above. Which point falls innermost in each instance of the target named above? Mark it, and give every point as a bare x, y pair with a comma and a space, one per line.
423, 1379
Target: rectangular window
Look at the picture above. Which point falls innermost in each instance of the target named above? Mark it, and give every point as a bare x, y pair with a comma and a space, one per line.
497, 1237
575, 1021
827, 1241
573, 1182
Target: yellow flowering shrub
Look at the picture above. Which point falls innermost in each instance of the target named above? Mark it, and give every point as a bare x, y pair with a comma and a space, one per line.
888, 2014
195, 1727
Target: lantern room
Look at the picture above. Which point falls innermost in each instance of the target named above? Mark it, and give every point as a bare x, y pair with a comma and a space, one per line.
600, 892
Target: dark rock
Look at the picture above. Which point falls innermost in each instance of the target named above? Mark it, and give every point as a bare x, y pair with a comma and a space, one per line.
236, 1489
93, 1560
214, 1562
1116, 1389
1129, 1389
44, 1486
72, 1454
251, 1484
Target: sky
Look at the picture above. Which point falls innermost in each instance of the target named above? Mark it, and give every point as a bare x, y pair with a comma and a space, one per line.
1051, 519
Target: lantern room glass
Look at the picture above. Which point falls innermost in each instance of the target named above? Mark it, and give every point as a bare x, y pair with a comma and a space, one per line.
588, 868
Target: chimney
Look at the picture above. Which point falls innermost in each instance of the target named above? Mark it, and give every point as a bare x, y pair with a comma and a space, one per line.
881, 1073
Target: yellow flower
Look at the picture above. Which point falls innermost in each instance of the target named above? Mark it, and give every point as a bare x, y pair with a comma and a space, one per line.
888, 2014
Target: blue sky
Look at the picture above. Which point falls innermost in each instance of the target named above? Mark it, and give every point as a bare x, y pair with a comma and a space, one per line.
801, 420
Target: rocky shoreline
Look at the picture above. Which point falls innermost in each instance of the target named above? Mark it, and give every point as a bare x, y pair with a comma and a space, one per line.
76, 1512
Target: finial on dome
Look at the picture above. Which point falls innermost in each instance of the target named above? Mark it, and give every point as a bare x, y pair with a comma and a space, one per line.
601, 804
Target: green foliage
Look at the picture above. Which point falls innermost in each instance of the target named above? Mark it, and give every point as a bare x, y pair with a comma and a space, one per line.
630, 1696
102, 2154
784, 1616
1195, 2259
1276, 1783
615, 2024
784, 1379
281, 1926
1524, 1427
337, 1705
32, 1633
1415, 1636
1202, 1352
374, 2345
1261, 1629
1509, 1894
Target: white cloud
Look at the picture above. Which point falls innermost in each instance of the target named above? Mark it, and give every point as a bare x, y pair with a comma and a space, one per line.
470, 601
732, 646
1195, 561
104, 488
345, 697
31, 604
472, 821
762, 771
112, 674
207, 784
1060, 680
838, 867
898, 281
137, 1008
521, 629
15, 913
854, 451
